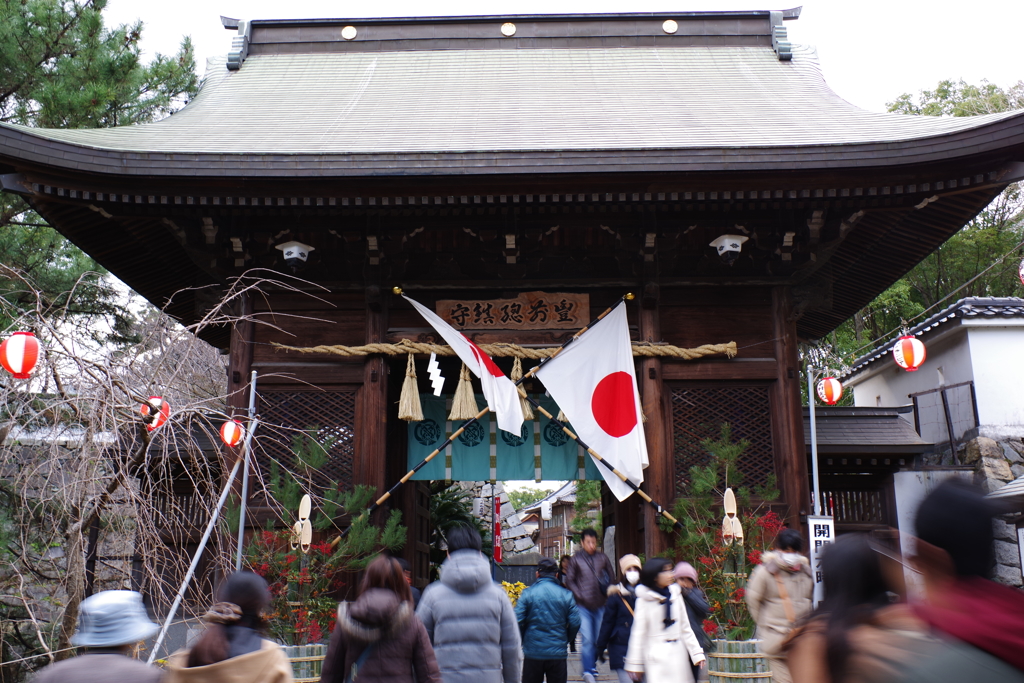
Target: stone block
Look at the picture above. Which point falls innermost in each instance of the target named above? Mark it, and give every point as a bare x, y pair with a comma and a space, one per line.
994, 468
1003, 531
1009, 576
1007, 553
1018, 470
1010, 453
524, 543
513, 520
981, 447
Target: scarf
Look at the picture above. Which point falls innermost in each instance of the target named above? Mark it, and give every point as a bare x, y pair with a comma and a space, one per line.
667, 594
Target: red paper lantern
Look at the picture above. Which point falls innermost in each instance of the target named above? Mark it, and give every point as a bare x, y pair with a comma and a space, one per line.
1020, 271
19, 353
830, 390
163, 410
231, 432
909, 352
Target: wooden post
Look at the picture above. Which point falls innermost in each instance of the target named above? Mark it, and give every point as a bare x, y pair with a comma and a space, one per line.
370, 466
241, 346
660, 474
787, 414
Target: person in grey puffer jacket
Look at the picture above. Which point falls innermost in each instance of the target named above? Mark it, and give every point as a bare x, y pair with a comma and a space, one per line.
469, 618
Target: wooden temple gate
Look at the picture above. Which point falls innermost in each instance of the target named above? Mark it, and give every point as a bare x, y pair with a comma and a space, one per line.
471, 158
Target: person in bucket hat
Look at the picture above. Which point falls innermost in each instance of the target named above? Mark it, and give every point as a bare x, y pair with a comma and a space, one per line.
109, 625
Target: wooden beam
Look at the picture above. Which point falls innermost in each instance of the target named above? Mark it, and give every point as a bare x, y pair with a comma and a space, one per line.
720, 369
787, 418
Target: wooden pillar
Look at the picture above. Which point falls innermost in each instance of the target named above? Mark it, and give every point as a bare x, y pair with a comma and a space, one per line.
243, 334
787, 416
659, 476
370, 466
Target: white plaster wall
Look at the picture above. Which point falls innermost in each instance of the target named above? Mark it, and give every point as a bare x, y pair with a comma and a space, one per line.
997, 355
890, 385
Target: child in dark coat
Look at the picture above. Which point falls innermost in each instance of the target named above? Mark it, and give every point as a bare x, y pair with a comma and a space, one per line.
618, 615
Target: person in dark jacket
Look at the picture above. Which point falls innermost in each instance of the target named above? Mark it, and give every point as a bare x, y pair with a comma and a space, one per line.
378, 636
618, 616
588, 577
697, 607
984, 619
548, 621
469, 618
109, 625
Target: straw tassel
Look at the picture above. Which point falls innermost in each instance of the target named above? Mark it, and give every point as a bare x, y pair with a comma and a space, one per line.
464, 401
517, 374
409, 408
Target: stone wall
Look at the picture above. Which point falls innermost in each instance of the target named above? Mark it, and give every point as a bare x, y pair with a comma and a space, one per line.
996, 463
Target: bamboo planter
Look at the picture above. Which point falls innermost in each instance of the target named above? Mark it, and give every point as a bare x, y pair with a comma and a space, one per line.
738, 661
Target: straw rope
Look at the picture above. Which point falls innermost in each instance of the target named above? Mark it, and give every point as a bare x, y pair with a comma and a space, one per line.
643, 349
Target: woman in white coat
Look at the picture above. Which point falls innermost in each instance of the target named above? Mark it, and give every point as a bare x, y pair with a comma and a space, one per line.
662, 643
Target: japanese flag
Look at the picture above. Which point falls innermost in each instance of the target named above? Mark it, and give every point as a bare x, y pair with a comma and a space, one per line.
501, 394
593, 382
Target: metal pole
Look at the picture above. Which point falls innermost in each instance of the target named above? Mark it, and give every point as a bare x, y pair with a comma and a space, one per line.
814, 442
245, 471
195, 562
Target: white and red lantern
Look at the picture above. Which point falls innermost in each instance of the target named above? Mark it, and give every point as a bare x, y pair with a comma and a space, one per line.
909, 352
1020, 271
19, 353
830, 390
155, 420
231, 433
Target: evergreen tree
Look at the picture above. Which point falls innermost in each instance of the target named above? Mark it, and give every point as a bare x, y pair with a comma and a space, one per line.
61, 67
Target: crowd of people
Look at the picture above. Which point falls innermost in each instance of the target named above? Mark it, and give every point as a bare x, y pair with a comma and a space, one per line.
646, 618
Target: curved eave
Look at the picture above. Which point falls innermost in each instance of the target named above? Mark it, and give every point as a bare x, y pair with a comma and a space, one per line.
1004, 137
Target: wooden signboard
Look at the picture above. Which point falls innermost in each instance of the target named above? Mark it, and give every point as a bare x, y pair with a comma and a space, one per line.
528, 311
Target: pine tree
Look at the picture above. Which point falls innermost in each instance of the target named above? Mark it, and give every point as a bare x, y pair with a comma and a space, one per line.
61, 67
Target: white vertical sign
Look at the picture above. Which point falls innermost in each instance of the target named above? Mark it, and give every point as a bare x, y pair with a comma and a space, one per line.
823, 534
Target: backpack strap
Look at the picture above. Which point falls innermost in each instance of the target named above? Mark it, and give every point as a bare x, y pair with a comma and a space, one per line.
626, 603
786, 603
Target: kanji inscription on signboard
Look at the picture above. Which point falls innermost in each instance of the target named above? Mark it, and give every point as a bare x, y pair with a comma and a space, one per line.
528, 311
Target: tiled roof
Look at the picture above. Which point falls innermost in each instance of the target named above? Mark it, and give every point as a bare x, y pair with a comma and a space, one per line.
689, 108
863, 430
989, 307
1011, 492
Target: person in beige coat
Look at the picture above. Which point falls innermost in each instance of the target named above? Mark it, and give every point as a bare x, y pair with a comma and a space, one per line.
661, 642
778, 595
232, 650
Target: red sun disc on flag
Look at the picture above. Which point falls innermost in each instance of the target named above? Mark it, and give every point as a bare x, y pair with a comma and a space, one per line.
614, 404
484, 359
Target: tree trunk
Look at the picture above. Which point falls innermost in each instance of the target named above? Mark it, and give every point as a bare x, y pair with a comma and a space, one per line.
75, 586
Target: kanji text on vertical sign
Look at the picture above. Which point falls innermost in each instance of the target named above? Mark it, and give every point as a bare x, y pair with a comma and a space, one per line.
823, 534
528, 311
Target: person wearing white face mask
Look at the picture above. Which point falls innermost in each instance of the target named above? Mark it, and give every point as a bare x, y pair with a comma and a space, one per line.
618, 616
779, 595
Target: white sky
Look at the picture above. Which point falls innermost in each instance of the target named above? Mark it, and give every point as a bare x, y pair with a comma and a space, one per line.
871, 51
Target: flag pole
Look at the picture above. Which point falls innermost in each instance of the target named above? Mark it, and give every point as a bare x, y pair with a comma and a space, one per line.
423, 463
654, 504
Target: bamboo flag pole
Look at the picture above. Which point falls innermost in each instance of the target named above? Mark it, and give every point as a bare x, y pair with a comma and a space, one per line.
423, 463
654, 504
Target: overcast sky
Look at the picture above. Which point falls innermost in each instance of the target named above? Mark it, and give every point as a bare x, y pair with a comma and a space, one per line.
871, 51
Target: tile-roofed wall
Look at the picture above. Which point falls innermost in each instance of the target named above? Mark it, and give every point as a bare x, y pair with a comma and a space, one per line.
967, 308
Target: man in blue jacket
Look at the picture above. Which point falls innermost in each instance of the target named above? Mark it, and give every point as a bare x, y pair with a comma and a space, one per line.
548, 621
